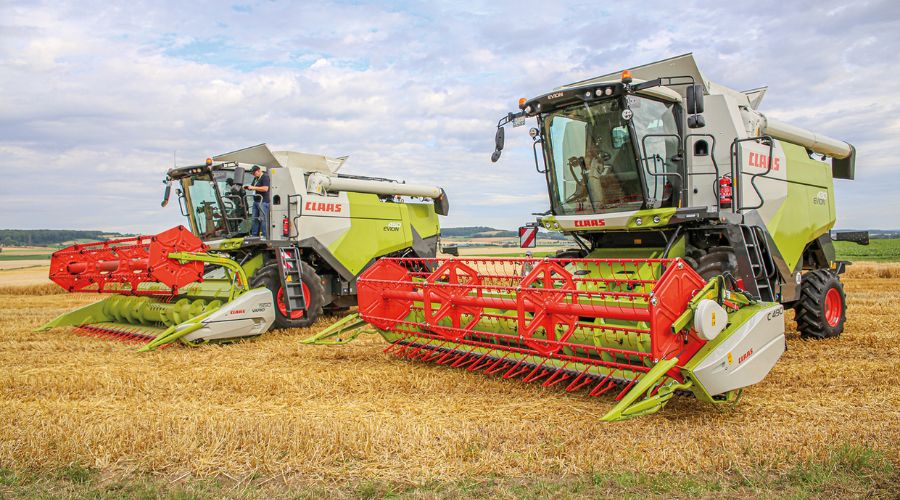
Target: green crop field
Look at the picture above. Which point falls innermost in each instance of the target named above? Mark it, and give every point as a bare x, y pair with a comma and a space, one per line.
881, 250
26, 253
39, 256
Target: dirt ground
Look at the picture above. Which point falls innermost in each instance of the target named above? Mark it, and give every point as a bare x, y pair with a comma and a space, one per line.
272, 406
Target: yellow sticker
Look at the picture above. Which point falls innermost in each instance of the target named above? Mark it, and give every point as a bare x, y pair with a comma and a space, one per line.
714, 318
287, 278
729, 359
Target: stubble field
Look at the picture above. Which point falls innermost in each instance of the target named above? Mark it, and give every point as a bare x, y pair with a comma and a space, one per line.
272, 417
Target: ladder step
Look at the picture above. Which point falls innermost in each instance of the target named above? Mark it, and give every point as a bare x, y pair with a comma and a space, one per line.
291, 277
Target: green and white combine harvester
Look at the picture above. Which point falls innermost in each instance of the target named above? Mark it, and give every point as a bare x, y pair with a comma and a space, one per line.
698, 219
217, 282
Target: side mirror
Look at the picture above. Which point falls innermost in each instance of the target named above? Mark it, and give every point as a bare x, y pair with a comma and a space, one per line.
695, 99
239, 176
696, 121
166, 194
499, 139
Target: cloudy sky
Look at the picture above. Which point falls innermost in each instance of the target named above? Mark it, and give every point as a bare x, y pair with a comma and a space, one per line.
97, 98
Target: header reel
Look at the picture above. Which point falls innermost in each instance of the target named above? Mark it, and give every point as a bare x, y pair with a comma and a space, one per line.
641, 329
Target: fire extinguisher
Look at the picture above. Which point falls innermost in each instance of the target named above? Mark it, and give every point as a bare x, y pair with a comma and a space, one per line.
286, 227
725, 192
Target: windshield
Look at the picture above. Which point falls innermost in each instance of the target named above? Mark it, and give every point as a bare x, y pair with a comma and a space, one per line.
592, 161
210, 217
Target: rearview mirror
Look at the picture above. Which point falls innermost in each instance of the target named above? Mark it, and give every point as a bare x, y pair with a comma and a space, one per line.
499, 139
239, 176
695, 99
166, 194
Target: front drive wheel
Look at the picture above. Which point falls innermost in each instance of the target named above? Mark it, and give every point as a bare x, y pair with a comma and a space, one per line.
822, 308
313, 294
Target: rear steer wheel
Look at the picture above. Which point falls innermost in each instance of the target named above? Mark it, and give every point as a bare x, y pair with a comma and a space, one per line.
822, 308
313, 294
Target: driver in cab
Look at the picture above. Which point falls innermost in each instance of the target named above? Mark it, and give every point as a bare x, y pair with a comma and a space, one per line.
603, 188
260, 186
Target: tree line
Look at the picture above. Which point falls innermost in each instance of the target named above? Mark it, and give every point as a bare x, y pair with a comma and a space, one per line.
49, 237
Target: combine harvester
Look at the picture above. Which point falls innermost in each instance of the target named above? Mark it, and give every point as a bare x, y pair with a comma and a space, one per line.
698, 220
216, 282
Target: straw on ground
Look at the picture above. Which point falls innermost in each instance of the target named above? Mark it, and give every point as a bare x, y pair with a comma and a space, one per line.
272, 406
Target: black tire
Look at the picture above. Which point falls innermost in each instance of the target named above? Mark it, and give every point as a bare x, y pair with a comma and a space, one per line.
716, 261
267, 276
822, 308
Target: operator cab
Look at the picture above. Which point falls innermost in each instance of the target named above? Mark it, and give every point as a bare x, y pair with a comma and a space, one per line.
609, 146
212, 197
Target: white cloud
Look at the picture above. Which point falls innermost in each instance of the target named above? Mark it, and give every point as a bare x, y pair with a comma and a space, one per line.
96, 97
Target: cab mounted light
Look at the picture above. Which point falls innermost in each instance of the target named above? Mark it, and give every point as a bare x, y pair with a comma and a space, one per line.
522, 102
208, 162
626, 76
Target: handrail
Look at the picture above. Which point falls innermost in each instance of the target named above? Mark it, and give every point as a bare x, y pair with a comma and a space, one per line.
538, 140
645, 158
738, 172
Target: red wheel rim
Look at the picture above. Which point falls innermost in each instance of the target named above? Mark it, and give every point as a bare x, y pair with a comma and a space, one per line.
834, 307
279, 301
